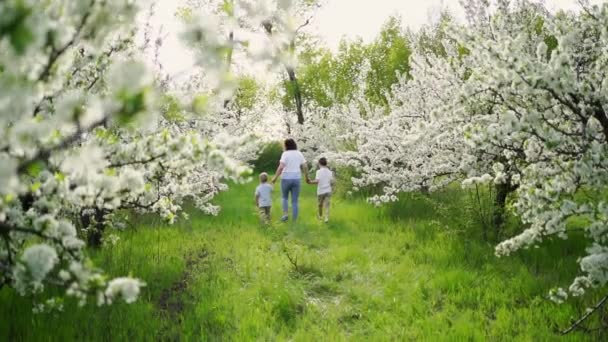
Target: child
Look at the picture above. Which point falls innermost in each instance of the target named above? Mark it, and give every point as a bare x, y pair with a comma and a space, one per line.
263, 198
324, 180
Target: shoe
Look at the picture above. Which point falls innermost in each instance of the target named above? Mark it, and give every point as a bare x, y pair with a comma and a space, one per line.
285, 218
326, 220
319, 217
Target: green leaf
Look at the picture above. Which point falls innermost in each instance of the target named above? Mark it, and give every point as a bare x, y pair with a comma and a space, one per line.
184, 13
21, 37
552, 44
56, 134
106, 135
539, 25
173, 110
132, 104
228, 7
200, 104
14, 25
35, 168
59, 176
35, 187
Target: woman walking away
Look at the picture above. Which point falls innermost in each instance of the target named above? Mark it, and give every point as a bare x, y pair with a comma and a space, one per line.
290, 169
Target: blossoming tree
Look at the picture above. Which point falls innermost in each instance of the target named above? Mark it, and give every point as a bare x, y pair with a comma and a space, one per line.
85, 136
522, 105
546, 85
50, 62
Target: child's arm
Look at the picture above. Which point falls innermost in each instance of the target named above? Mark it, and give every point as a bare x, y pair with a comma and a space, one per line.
257, 199
313, 181
278, 173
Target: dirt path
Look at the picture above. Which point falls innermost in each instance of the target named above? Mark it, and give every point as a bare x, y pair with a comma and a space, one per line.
172, 300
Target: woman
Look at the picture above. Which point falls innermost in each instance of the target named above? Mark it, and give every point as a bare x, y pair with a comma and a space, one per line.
290, 170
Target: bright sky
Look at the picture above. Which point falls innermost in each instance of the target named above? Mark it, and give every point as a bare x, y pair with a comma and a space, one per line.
337, 19
364, 18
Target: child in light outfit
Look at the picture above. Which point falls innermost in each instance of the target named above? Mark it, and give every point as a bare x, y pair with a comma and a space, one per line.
263, 198
324, 180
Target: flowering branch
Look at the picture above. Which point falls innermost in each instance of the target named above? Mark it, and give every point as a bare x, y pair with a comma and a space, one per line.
56, 53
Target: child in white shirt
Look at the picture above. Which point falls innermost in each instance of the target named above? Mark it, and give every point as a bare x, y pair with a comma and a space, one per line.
263, 198
324, 180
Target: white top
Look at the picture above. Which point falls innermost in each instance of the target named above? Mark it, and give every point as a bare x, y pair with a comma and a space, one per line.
325, 177
292, 161
264, 194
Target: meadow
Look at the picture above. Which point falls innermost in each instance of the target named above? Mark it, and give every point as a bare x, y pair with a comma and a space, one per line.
113, 112
416, 270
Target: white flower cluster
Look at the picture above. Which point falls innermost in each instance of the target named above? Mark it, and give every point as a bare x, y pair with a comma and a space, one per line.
50, 305
111, 240
125, 288
419, 145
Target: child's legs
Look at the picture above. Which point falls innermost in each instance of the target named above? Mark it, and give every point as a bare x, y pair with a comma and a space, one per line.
295, 197
265, 214
320, 200
327, 204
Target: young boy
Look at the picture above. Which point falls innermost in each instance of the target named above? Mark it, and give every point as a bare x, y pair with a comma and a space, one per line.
324, 180
263, 198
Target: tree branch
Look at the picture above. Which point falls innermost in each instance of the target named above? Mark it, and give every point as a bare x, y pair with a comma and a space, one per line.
44, 154
9, 250
306, 23
56, 53
137, 162
581, 320
7, 228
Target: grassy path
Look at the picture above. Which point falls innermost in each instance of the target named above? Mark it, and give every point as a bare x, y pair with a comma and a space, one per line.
367, 275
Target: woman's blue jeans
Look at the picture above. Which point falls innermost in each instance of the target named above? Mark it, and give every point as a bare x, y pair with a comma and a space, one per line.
293, 186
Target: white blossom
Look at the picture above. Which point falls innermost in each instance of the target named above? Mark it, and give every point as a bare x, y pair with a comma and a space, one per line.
126, 288
39, 261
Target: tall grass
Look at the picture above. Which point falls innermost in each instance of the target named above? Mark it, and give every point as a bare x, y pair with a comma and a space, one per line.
416, 270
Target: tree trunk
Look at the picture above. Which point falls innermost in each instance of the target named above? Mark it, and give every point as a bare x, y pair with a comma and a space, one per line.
229, 63
601, 116
297, 94
500, 201
94, 222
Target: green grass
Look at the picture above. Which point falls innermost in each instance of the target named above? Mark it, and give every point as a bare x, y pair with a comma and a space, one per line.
412, 271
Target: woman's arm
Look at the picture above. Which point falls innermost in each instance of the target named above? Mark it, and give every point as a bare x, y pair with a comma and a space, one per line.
313, 181
304, 169
278, 173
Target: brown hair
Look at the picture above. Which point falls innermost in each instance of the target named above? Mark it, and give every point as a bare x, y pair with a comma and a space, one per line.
290, 145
